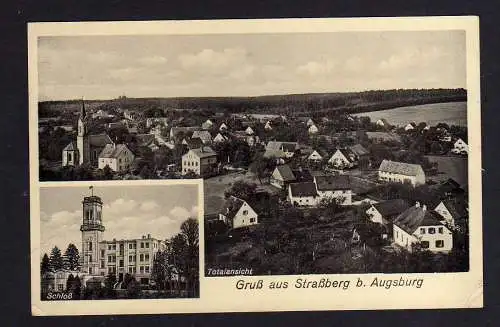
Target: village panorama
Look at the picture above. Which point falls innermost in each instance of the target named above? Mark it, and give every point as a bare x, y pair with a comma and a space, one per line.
293, 184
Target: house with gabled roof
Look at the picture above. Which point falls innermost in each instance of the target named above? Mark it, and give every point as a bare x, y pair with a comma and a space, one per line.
303, 194
359, 150
419, 226
268, 126
117, 156
401, 172
315, 156
178, 133
147, 140
201, 161
451, 211
281, 150
382, 122
334, 187
385, 212
207, 124
204, 136
223, 127
192, 143
237, 213
284, 175
343, 158
249, 131
313, 129
460, 146
219, 138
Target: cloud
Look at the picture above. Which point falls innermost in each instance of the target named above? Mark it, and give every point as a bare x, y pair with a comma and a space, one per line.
120, 206
149, 206
127, 73
179, 212
209, 58
412, 57
153, 60
317, 68
194, 211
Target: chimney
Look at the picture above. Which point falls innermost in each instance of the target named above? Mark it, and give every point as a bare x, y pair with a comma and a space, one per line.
424, 207
417, 204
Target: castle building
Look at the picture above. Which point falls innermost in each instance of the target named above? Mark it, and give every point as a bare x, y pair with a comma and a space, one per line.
102, 257
87, 147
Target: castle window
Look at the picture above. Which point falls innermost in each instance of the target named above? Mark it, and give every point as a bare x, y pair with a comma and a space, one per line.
440, 230
147, 245
432, 230
439, 243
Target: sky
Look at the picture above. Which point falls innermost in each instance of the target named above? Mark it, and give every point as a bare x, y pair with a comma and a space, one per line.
128, 212
105, 67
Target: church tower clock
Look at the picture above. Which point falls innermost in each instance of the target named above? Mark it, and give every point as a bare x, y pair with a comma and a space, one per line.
92, 230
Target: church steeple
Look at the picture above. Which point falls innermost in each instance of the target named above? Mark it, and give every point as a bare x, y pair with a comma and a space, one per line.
83, 113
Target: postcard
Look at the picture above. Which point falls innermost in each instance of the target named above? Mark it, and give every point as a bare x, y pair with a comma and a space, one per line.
255, 165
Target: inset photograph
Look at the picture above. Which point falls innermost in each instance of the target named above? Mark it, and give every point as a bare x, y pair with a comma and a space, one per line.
119, 242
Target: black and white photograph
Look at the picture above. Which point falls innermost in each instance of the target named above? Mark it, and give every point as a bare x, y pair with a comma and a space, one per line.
336, 152
119, 242
323, 149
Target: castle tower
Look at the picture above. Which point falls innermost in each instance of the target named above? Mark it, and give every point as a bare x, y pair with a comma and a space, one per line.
92, 229
82, 139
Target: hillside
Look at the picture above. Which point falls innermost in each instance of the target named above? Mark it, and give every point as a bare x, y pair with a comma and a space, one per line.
290, 104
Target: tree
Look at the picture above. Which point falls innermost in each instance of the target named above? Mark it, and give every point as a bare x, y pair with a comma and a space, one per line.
242, 190
56, 260
159, 271
190, 232
45, 264
262, 166
109, 285
71, 258
133, 289
69, 282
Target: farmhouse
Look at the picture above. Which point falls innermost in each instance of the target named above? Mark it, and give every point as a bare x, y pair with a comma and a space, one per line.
178, 133
410, 127
303, 194
419, 226
202, 161
117, 156
237, 213
268, 126
280, 150
334, 187
223, 127
249, 131
359, 150
207, 124
147, 140
401, 172
383, 123
219, 138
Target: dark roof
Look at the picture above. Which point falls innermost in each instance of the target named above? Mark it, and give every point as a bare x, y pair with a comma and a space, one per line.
231, 206
414, 217
456, 209
302, 175
332, 182
145, 139
194, 143
391, 208
112, 151
348, 154
303, 189
286, 173
359, 150
204, 152
289, 146
70, 147
99, 140
401, 168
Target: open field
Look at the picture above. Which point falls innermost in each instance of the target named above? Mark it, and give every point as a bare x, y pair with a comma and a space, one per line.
451, 167
452, 113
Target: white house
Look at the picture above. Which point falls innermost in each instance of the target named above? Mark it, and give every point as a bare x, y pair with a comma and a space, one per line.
385, 212
401, 172
223, 127
303, 194
460, 146
313, 129
202, 161
450, 212
249, 131
117, 156
237, 213
284, 175
315, 156
207, 124
219, 138
382, 122
343, 158
409, 127
268, 126
334, 187
420, 226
